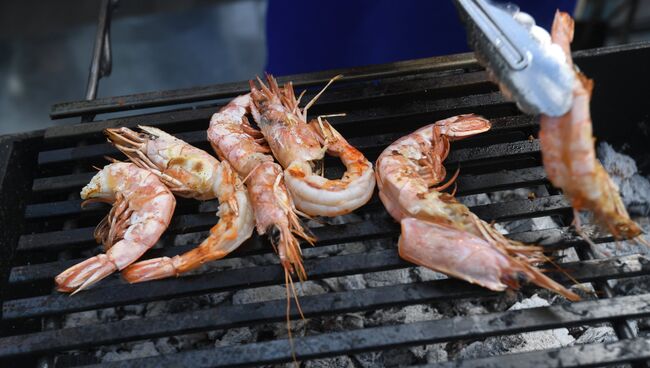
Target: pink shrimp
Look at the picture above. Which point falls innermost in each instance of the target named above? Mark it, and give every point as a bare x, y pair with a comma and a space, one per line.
569, 154
142, 210
440, 233
236, 142
193, 173
299, 146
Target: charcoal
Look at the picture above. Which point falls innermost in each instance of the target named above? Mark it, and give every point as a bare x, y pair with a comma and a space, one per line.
634, 188
537, 340
336, 362
384, 278
595, 335
138, 350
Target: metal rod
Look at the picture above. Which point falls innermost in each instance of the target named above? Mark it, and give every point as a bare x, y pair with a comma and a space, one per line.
100, 65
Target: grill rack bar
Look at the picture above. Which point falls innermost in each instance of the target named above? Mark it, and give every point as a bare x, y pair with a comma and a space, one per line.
59, 302
419, 333
312, 306
433, 64
464, 157
551, 239
470, 183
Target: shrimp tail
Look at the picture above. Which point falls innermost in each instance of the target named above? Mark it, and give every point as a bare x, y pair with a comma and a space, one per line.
223, 239
290, 253
85, 274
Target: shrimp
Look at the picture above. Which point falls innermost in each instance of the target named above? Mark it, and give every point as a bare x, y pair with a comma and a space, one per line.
237, 142
569, 155
192, 173
299, 146
440, 233
142, 209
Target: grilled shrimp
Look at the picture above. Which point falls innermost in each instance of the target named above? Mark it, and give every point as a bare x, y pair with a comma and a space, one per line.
238, 143
569, 155
440, 233
193, 173
299, 146
142, 210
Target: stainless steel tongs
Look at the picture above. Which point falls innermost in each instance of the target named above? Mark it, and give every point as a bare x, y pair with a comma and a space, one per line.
528, 67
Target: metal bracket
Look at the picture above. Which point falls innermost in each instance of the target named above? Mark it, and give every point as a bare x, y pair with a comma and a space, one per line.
101, 64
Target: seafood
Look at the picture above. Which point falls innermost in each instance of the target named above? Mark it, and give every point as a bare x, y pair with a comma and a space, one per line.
237, 142
192, 173
569, 155
299, 146
440, 233
142, 209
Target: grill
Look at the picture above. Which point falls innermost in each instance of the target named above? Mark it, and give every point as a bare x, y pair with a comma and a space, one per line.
44, 229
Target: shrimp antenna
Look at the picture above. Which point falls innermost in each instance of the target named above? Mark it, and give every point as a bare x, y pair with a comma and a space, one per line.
640, 239
313, 100
565, 273
289, 282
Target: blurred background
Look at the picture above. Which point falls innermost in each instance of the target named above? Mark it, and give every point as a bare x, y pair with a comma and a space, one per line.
46, 47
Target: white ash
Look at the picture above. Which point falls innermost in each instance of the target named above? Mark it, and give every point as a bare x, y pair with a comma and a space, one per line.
136, 350
425, 274
337, 362
634, 188
595, 335
352, 282
275, 292
239, 335
474, 200
392, 277
528, 341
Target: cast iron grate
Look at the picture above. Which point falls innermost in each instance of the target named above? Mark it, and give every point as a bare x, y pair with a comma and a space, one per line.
47, 230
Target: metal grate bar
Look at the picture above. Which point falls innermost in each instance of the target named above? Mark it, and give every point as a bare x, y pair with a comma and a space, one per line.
142, 100
557, 238
359, 231
312, 306
159, 98
421, 333
197, 222
370, 115
199, 138
491, 104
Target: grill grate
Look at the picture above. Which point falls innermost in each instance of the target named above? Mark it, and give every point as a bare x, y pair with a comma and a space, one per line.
39, 177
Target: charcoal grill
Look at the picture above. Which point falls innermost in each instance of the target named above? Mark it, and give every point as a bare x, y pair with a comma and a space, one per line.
44, 230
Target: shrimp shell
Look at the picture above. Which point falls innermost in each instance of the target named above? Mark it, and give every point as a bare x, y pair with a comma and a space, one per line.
142, 210
193, 173
299, 146
440, 233
236, 142
569, 154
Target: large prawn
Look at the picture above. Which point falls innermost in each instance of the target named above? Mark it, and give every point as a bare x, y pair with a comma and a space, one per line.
299, 146
569, 155
440, 233
193, 173
142, 210
237, 142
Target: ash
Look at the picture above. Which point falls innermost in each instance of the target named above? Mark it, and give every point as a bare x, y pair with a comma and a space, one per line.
635, 190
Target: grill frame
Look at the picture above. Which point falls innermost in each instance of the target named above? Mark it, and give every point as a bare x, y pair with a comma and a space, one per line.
24, 157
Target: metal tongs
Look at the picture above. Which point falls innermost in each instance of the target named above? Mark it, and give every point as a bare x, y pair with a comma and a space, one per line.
528, 68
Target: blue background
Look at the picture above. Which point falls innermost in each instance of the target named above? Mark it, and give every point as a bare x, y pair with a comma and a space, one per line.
304, 36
